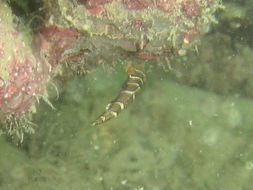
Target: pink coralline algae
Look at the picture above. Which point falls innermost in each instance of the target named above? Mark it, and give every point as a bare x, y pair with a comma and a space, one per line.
18, 92
189, 7
50, 41
24, 72
147, 28
22, 75
137, 5
95, 7
162, 25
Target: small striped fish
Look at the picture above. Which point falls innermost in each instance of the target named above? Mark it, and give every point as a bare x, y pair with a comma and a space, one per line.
133, 84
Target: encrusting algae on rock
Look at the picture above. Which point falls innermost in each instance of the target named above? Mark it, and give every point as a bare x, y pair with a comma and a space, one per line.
23, 76
81, 35
132, 31
145, 29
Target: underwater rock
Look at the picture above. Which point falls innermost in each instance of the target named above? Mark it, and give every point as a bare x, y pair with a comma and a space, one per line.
110, 30
94, 32
23, 75
146, 29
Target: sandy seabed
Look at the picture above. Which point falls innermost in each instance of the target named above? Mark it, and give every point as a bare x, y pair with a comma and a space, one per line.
172, 137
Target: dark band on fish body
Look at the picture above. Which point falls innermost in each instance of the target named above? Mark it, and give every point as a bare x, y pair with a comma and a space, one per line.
132, 85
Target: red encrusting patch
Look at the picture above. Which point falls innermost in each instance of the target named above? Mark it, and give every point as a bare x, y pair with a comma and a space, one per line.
137, 4
25, 81
24, 73
167, 6
96, 11
51, 41
95, 7
191, 8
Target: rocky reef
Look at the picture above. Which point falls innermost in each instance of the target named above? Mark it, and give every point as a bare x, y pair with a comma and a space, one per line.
23, 75
78, 36
109, 30
190, 128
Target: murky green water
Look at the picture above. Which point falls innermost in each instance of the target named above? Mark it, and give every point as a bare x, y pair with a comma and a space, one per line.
174, 136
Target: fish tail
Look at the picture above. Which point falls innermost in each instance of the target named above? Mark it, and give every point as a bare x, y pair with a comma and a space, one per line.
132, 85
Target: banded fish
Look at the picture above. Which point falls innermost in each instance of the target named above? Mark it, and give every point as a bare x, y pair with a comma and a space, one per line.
132, 85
